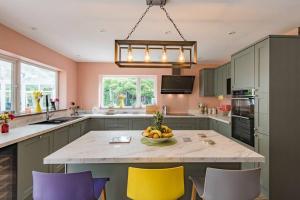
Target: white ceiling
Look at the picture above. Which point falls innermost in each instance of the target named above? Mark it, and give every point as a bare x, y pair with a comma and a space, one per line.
73, 27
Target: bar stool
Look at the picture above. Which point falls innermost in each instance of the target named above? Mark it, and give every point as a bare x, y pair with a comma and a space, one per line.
75, 186
158, 184
222, 184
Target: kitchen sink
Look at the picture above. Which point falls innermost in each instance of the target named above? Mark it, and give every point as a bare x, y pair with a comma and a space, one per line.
59, 120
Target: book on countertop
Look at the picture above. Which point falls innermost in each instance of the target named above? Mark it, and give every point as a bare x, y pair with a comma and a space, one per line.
120, 139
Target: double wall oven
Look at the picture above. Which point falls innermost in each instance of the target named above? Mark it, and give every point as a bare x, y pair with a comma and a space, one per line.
243, 102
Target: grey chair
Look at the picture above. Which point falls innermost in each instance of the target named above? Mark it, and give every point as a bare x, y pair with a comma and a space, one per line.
220, 184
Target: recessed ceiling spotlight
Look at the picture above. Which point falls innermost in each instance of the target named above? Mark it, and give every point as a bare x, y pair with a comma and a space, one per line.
232, 33
33, 28
168, 32
78, 56
102, 30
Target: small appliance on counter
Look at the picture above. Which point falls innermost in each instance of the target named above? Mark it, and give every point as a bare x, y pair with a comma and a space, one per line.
242, 115
164, 110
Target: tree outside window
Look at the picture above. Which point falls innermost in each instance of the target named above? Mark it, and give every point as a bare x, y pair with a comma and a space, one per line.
138, 91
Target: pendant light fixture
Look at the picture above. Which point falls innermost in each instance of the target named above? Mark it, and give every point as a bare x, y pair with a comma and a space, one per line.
163, 51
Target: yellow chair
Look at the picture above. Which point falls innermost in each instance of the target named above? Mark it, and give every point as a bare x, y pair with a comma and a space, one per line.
155, 184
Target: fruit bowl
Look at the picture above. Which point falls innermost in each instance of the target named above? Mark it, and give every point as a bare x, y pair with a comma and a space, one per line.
153, 135
156, 140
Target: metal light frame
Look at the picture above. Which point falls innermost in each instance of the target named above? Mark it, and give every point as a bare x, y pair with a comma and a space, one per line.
185, 46
188, 46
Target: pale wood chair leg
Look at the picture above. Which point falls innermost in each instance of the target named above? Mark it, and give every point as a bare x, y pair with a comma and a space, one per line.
103, 195
194, 193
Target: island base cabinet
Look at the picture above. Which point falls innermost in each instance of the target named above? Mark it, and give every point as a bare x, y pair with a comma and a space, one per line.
31, 153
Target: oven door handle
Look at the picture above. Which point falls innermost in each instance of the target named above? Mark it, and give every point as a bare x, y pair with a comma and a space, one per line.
240, 117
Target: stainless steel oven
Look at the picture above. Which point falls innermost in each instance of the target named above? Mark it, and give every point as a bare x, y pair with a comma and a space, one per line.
243, 102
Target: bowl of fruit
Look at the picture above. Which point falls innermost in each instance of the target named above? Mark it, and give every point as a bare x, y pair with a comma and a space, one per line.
158, 132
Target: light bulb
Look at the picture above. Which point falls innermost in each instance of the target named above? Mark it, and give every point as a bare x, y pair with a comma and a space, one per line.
181, 56
129, 54
147, 54
164, 57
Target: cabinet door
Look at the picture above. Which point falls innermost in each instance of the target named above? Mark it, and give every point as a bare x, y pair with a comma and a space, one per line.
213, 124
60, 139
84, 127
181, 123
74, 132
224, 80
216, 91
263, 149
117, 124
141, 123
31, 153
203, 124
228, 70
96, 124
242, 69
224, 129
262, 54
207, 82
220, 81
261, 119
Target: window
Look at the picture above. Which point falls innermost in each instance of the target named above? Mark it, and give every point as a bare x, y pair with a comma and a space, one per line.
36, 78
6, 82
138, 91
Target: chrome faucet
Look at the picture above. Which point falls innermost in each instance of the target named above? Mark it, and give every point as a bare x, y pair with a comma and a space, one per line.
48, 115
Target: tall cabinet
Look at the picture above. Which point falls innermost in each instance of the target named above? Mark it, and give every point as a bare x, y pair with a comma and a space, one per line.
272, 67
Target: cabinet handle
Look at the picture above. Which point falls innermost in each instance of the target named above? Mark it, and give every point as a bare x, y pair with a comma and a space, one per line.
255, 135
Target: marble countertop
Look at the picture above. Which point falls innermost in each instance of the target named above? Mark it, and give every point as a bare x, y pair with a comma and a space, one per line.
25, 132
94, 147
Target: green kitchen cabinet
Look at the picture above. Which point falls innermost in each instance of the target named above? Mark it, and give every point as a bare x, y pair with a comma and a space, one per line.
117, 124
74, 131
220, 81
141, 123
262, 147
242, 69
228, 70
216, 89
207, 82
60, 139
182, 123
262, 65
203, 124
220, 127
96, 124
31, 153
84, 127
224, 129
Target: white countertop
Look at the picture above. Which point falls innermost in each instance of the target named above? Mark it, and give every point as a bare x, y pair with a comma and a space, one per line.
94, 147
25, 132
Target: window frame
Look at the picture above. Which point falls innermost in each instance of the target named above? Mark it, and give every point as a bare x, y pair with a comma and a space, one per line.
16, 79
38, 66
13, 61
138, 89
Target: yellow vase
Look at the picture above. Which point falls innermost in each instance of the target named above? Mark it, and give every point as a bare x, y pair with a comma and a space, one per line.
122, 103
38, 108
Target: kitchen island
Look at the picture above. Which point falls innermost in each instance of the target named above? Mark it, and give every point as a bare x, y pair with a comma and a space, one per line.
206, 148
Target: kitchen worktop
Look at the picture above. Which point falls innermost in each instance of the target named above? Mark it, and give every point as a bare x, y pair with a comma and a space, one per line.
25, 132
94, 147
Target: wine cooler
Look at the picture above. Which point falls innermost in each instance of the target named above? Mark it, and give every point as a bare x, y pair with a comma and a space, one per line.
8, 173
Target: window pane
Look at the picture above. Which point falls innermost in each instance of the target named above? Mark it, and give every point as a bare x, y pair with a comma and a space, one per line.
147, 91
113, 87
36, 78
6, 86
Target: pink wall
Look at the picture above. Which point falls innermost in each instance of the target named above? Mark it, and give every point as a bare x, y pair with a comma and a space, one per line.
89, 75
15, 43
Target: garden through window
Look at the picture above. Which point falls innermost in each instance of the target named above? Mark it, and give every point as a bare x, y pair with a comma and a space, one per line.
135, 91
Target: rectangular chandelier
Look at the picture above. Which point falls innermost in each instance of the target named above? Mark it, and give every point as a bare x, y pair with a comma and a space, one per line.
155, 54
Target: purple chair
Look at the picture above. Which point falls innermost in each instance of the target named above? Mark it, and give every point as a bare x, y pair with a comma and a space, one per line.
75, 186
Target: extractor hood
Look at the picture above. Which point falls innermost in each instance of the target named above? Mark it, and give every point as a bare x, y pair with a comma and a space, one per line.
175, 84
